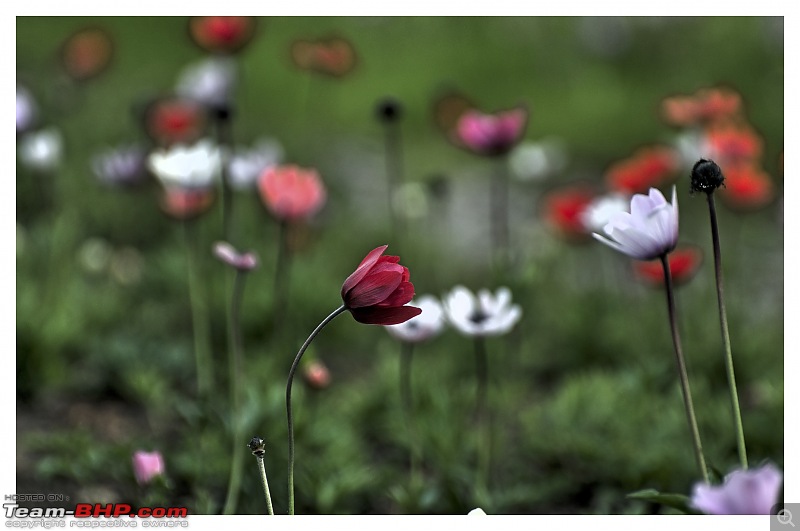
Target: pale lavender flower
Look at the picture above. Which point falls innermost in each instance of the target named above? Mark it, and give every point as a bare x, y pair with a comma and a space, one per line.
753, 491
120, 166
649, 231
26, 109
247, 164
422, 327
210, 81
484, 315
147, 466
241, 261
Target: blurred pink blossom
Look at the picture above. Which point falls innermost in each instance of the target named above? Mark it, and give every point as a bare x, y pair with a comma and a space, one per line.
147, 465
491, 134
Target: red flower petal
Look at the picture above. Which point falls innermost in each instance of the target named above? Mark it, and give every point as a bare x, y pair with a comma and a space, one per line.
373, 289
384, 316
362, 269
402, 295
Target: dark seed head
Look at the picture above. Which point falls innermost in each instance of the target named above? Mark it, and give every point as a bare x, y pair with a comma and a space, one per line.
706, 176
256, 446
389, 110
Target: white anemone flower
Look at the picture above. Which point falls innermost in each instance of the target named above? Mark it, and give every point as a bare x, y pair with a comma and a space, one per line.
477, 511
602, 209
484, 315
196, 166
247, 164
210, 81
649, 231
424, 326
41, 150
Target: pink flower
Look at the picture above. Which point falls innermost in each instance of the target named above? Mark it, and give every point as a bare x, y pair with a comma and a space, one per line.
147, 465
491, 134
186, 203
229, 255
290, 192
753, 491
377, 291
317, 375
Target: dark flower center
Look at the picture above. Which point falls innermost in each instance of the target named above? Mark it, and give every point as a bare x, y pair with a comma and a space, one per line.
479, 316
706, 176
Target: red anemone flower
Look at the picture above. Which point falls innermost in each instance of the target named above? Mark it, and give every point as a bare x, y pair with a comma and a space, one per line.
186, 203
332, 56
222, 34
705, 105
647, 168
563, 211
377, 291
746, 187
491, 134
87, 53
174, 120
729, 142
291, 192
684, 263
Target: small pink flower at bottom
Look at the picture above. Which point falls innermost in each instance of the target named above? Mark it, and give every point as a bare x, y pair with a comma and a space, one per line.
147, 465
753, 491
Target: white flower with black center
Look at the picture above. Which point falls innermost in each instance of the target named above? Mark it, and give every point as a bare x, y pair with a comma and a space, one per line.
188, 167
481, 315
422, 327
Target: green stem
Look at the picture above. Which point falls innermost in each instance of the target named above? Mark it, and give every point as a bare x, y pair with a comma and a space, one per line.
289, 417
406, 398
684, 377
282, 269
726, 339
482, 420
235, 377
197, 301
499, 223
394, 177
223, 132
264, 483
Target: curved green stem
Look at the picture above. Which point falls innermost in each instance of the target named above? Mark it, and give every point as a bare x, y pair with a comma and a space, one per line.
726, 339
684, 377
289, 417
197, 301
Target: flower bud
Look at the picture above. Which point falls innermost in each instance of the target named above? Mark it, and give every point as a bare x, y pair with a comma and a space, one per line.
706, 176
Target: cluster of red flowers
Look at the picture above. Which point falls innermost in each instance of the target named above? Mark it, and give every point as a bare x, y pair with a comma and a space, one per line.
649, 167
729, 140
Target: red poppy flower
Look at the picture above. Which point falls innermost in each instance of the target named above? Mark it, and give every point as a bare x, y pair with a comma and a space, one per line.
186, 203
376, 292
647, 168
174, 121
86, 53
728, 142
746, 187
563, 211
222, 34
333, 56
490, 134
291, 192
684, 263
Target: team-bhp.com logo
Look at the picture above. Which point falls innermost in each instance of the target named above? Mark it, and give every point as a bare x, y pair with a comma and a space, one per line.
47, 517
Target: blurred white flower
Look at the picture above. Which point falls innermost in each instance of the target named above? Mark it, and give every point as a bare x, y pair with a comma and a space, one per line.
210, 81
477, 511
534, 161
41, 150
602, 209
247, 164
26, 109
425, 325
195, 166
121, 166
649, 231
484, 315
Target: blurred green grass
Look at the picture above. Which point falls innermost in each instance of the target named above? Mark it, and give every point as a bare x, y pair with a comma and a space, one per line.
583, 391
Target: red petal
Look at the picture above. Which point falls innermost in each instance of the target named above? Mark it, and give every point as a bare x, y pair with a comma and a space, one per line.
374, 288
363, 268
384, 316
402, 295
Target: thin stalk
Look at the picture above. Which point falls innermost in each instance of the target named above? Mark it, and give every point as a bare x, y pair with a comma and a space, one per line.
199, 308
406, 353
499, 191
482, 418
222, 118
263, 471
289, 417
726, 339
281, 283
684, 377
394, 175
235, 377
